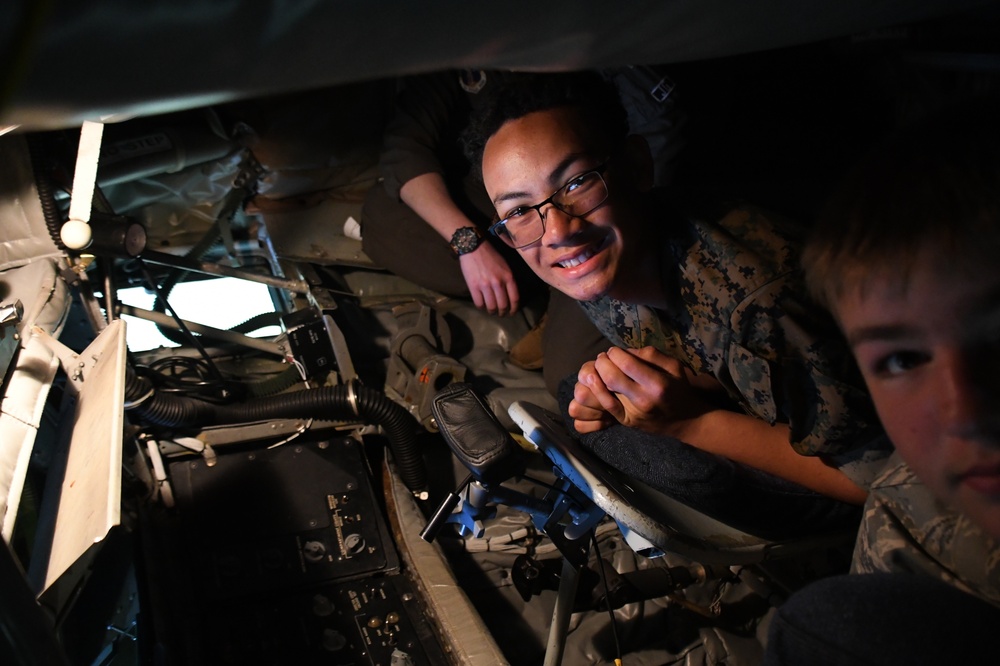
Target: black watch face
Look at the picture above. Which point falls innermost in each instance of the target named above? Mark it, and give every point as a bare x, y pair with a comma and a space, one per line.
465, 240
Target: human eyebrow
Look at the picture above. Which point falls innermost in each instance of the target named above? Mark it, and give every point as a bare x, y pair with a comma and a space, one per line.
508, 196
559, 175
879, 333
556, 178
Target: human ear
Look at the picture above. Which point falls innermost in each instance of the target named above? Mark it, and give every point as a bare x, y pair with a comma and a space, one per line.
640, 162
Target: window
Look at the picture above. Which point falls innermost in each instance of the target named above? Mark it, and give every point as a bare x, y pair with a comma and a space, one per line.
220, 303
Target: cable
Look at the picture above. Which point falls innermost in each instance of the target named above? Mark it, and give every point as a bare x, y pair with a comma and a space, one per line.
180, 322
607, 600
185, 375
39, 153
244, 186
295, 435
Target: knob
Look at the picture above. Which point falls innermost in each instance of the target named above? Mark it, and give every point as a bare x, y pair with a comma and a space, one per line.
333, 640
354, 543
313, 551
322, 606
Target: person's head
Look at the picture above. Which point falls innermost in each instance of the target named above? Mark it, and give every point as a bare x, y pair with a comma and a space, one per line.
907, 258
564, 177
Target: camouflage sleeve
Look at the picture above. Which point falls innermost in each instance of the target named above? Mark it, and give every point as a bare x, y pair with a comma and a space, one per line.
610, 317
826, 415
631, 326
906, 530
814, 382
770, 345
743, 316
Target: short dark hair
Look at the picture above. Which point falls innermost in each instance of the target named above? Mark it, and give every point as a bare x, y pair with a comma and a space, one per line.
930, 193
595, 98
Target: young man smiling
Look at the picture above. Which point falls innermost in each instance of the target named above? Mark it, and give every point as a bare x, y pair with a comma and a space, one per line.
727, 387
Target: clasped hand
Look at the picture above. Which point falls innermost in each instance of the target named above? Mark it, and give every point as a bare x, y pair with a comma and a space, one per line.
641, 388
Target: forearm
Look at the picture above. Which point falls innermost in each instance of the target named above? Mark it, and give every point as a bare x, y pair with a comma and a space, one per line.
428, 196
755, 443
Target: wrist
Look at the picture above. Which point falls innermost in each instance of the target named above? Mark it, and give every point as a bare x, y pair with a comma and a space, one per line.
686, 427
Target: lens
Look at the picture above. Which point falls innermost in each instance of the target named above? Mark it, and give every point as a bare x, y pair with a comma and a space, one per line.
525, 228
582, 194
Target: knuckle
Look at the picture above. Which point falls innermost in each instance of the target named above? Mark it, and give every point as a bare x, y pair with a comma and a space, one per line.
645, 404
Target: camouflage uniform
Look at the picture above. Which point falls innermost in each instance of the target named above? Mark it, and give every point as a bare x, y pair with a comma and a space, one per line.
905, 528
739, 312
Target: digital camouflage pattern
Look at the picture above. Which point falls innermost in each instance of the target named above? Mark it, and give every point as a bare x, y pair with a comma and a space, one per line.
906, 529
741, 313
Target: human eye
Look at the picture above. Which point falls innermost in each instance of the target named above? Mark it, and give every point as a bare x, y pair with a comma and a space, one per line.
516, 213
899, 362
580, 182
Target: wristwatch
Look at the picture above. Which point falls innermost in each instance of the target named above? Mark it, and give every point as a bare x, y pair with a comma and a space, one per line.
465, 240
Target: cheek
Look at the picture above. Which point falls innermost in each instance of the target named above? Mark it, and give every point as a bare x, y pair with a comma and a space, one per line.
530, 257
920, 456
613, 219
910, 425
915, 433
533, 259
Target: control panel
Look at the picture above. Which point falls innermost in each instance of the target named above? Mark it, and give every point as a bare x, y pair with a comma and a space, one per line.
284, 556
375, 621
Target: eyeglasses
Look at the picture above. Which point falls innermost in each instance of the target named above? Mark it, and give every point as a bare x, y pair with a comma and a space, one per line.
525, 224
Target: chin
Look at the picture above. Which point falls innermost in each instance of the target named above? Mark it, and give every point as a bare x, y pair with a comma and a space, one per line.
586, 291
589, 287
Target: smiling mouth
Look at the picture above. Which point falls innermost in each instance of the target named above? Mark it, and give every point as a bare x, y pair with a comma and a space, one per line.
574, 261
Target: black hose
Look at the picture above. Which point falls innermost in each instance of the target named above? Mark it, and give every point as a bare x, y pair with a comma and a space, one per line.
331, 403
177, 275
40, 163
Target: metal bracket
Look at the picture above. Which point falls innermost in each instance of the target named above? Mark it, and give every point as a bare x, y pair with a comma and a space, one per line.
72, 364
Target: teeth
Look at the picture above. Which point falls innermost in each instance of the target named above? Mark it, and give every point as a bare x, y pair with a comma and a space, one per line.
577, 260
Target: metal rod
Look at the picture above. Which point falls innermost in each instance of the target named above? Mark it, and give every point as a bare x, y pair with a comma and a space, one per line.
110, 291
194, 327
206, 268
90, 305
561, 614
181, 324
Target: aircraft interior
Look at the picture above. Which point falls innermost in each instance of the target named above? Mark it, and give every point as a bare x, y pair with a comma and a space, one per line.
313, 460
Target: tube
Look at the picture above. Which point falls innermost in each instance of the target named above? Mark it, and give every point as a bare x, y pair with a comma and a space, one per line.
332, 403
46, 196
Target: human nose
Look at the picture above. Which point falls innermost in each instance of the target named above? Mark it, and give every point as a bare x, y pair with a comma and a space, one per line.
559, 225
967, 396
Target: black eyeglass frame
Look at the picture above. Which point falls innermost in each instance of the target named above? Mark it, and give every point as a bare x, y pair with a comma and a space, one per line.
499, 228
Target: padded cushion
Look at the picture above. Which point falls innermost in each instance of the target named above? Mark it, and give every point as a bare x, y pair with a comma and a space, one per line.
475, 435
